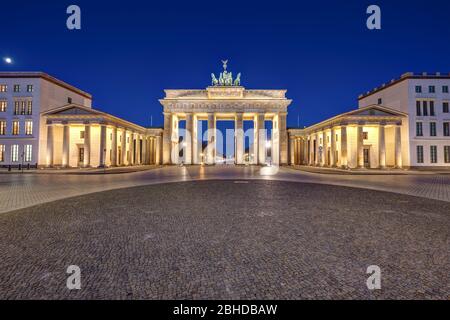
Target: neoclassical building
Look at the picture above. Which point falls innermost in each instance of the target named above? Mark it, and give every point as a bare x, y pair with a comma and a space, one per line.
225, 99
49, 123
369, 137
78, 136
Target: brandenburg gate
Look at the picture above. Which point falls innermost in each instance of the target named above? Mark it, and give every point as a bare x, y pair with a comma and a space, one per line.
225, 99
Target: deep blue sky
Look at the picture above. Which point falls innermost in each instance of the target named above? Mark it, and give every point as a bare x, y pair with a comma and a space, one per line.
320, 51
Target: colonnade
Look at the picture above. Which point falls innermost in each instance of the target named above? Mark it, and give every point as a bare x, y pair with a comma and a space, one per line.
335, 147
194, 153
126, 146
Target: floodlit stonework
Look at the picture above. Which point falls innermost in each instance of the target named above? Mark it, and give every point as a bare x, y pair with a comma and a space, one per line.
225, 103
49, 123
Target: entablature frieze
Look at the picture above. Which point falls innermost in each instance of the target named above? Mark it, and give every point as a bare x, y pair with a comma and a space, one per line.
224, 107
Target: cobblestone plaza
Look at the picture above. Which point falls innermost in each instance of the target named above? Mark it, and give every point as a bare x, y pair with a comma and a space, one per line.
243, 234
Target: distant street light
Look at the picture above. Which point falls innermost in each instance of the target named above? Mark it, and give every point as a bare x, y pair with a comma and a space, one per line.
8, 60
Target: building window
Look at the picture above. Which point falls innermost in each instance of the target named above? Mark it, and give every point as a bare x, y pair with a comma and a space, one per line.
28, 127
419, 154
23, 107
433, 154
2, 128
337, 137
445, 107
444, 89
16, 88
69, 100
419, 129
3, 105
431, 89
433, 129
15, 153
16, 107
30, 88
418, 109
447, 154
380, 101
15, 127
81, 134
432, 109
447, 129
425, 108
28, 153
2, 152
418, 89
365, 135
29, 107
3, 88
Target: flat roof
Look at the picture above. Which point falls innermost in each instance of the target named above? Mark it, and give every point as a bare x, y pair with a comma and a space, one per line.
405, 76
47, 77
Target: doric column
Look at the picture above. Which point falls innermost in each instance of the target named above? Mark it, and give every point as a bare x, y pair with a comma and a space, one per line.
360, 147
114, 147
239, 136
317, 162
175, 140
311, 150
123, 147
87, 145
308, 147
145, 150
261, 139
382, 146
66, 145
158, 150
167, 138
49, 145
299, 148
344, 159
131, 146
292, 150
102, 146
398, 147
189, 138
332, 148
324, 159
305, 155
211, 152
255, 140
195, 146
137, 150
283, 138
152, 150
275, 141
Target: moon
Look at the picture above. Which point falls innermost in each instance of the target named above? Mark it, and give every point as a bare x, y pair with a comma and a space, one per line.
8, 60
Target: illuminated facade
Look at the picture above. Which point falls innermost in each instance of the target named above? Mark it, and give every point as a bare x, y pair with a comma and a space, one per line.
426, 99
217, 103
370, 137
50, 123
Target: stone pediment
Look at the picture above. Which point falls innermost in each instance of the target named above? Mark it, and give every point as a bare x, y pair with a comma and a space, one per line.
72, 110
375, 110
